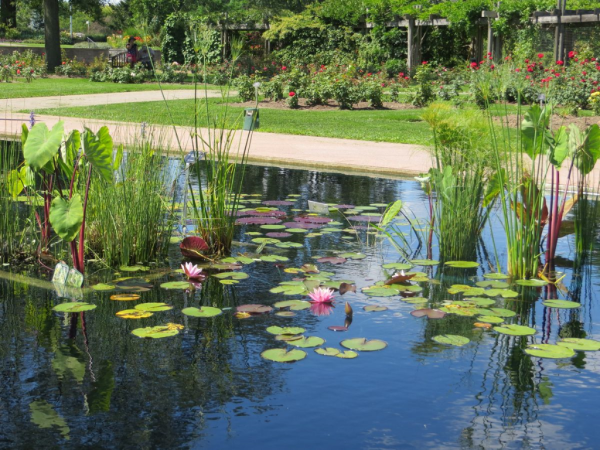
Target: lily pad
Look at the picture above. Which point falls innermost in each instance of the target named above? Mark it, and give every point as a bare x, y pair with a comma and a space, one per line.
161, 331
175, 285
103, 287
490, 319
398, 266
549, 351
285, 313
415, 300
288, 337
451, 339
74, 307
580, 344
289, 290
327, 351
266, 241
153, 307
254, 308
288, 245
516, 330
363, 345
353, 255
134, 268
125, 297
273, 258
500, 312
332, 260
203, 311
504, 293
337, 328
424, 262
563, 304
308, 342
496, 276
133, 314
285, 330
533, 282
496, 284
429, 313
462, 264
480, 301
375, 308
294, 305
283, 355
380, 291
348, 354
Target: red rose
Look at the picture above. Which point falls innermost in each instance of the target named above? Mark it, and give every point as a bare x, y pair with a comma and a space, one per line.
540, 55
292, 93
559, 62
424, 62
283, 68
527, 61
571, 54
473, 65
18, 72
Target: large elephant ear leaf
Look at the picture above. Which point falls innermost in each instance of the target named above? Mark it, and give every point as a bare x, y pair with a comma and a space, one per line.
587, 148
24, 134
42, 145
98, 149
66, 216
68, 152
560, 148
534, 129
391, 212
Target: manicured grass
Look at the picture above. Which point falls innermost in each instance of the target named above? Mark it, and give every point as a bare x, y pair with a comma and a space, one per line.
401, 126
46, 87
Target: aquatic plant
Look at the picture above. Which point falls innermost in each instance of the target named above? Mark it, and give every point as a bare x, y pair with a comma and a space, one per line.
192, 271
321, 295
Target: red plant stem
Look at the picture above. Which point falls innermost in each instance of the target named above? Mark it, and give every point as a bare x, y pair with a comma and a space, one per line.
432, 223
81, 256
73, 175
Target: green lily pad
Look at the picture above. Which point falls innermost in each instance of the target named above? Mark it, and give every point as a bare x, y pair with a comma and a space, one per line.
153, 307
231, 275
103, 287
158, 332
285, 313
424, 262
327, 351
549, 351
253, 233
353, 255
361, 344
465, 310
308, 342
375, 308
504, 293
496, 276
296, 230
451, 339
289, 290
398, 266
563, 304
204, 311
176, 285
274, 258
272, 227
496, 284
463, 264
294, 305
283, 355
289, 245
500, 312
415, 300
348, 354
74, 307
134, 268
238, 259
285, 330
228, 282
133, 314
580, 344
534, 282
480, 301
516, 330
288, 337
490, 319
380, 291
266, 241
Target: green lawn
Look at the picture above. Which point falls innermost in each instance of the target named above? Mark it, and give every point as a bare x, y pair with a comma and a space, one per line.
46, 87
403, 126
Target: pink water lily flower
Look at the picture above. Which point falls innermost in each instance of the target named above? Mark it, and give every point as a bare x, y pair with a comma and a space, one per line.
192, 271
321, 295
321, 308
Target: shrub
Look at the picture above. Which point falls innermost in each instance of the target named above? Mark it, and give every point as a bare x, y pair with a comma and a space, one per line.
292, 100
373, 92
71, 68
424, 94
245, 88
172, 73
345, 93
273, 89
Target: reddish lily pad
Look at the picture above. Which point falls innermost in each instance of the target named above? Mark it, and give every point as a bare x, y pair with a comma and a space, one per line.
429, 313
193, 247
332, 260
277, 203
279, 234
337, 328
375, 308
258, 221
254, 309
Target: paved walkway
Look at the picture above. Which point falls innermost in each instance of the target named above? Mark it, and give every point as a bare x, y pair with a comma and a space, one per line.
342, 155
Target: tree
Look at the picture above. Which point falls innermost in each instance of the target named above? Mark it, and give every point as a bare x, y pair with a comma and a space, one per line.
51, 34
8, 13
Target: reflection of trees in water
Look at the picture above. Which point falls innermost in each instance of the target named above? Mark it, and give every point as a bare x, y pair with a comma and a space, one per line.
139, 393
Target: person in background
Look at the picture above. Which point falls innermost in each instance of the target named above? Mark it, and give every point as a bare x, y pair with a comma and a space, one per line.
132, 51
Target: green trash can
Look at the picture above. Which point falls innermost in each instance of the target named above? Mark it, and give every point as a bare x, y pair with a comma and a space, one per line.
251, 119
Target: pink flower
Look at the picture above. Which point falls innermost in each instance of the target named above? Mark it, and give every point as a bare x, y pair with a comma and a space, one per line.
283, 67
321, 295
321, 309
192, 271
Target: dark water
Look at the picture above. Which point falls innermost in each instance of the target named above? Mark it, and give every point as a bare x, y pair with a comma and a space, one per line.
72, 384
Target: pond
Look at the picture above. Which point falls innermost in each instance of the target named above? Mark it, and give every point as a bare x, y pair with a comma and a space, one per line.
84, 380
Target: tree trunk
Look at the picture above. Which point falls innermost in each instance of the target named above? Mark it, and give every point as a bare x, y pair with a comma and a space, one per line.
52, 34
8, 13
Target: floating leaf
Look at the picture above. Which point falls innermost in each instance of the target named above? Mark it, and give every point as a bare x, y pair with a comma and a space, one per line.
504, 293
580, 344
398, 266
266, 241
563, 304
337, 328
463, 264
451, 339
289, 290
400, 277
424, 262
348, 354
282, 355
273, 227
309, 268
380, 291
480, 301
332, 260
74, 307
285, 313
490, 319
353, 255
203, 311
486, 325
288, 245
274, 258
296, 230
429, 313
103, 287
242, 315
497, 284
231, 275
285, 330
515, 330
466, 309
176, 285
375, 308
500, 312
308, 342
153, 307
160, 331
327, 351
533, 282
415, 300
254, 309
288, 337
294, 305
496, 276
363, 345
133, 314
135, 268
228, 282
549, 351
124, 297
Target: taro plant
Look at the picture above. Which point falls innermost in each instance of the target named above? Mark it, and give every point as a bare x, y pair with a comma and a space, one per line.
62, 166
